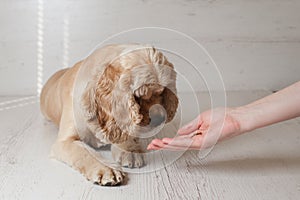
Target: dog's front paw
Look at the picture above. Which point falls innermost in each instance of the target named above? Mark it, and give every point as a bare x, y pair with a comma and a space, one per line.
104, 176
127, 158
131, 160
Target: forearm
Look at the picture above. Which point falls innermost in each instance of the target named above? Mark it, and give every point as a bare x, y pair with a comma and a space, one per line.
280, 106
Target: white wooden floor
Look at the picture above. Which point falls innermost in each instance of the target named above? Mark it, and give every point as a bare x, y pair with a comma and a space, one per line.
264, 164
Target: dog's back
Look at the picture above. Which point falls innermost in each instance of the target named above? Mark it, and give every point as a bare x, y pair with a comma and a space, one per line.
57, 90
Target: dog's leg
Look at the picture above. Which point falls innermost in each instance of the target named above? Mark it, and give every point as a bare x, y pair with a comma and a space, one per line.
128, 154
69, 149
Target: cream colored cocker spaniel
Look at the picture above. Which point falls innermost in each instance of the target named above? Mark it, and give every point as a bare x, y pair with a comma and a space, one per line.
110, 97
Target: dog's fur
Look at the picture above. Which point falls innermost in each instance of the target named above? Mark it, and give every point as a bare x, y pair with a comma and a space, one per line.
105, 99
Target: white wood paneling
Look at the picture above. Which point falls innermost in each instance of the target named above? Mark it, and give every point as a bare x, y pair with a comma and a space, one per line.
255, 43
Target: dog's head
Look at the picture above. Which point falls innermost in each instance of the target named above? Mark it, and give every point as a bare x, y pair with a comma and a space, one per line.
135, 92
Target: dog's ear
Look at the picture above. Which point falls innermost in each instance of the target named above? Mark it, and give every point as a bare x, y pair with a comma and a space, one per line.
88, 102
97, 104
170, 103
127, 101
134, 109
170, 100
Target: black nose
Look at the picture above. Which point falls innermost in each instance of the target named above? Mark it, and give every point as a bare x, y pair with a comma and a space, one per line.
157, 120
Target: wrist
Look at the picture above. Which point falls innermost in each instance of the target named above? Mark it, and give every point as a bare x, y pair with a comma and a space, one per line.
245, 118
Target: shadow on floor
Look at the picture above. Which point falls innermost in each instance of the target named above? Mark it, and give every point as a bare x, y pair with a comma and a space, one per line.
261, 166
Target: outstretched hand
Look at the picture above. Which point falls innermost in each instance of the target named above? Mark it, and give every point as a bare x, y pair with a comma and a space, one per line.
203, 132
218, 124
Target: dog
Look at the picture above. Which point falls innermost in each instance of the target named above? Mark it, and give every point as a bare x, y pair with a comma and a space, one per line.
113, 96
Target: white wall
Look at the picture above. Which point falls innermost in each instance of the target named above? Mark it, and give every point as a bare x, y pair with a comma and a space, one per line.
256, 44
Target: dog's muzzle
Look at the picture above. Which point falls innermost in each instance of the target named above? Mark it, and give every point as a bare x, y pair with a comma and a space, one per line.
158, 115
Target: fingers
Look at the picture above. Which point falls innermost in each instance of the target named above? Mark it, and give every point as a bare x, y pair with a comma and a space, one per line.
178, 143
157, 142
165, 147
190, 127
153, 147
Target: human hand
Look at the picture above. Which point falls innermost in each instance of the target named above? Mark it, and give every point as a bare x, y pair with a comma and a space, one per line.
205, 131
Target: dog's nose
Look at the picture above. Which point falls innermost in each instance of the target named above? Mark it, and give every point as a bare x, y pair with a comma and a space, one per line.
157, 115
157, 120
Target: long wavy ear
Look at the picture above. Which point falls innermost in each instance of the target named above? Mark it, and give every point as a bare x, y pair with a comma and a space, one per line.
134, 109
88, 102
170, 100
170, 103
126, 101
96, 102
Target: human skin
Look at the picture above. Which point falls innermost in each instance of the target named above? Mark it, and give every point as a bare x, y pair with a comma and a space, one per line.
216, 125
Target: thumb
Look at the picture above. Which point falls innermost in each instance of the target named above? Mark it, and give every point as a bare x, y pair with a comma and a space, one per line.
190, 127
